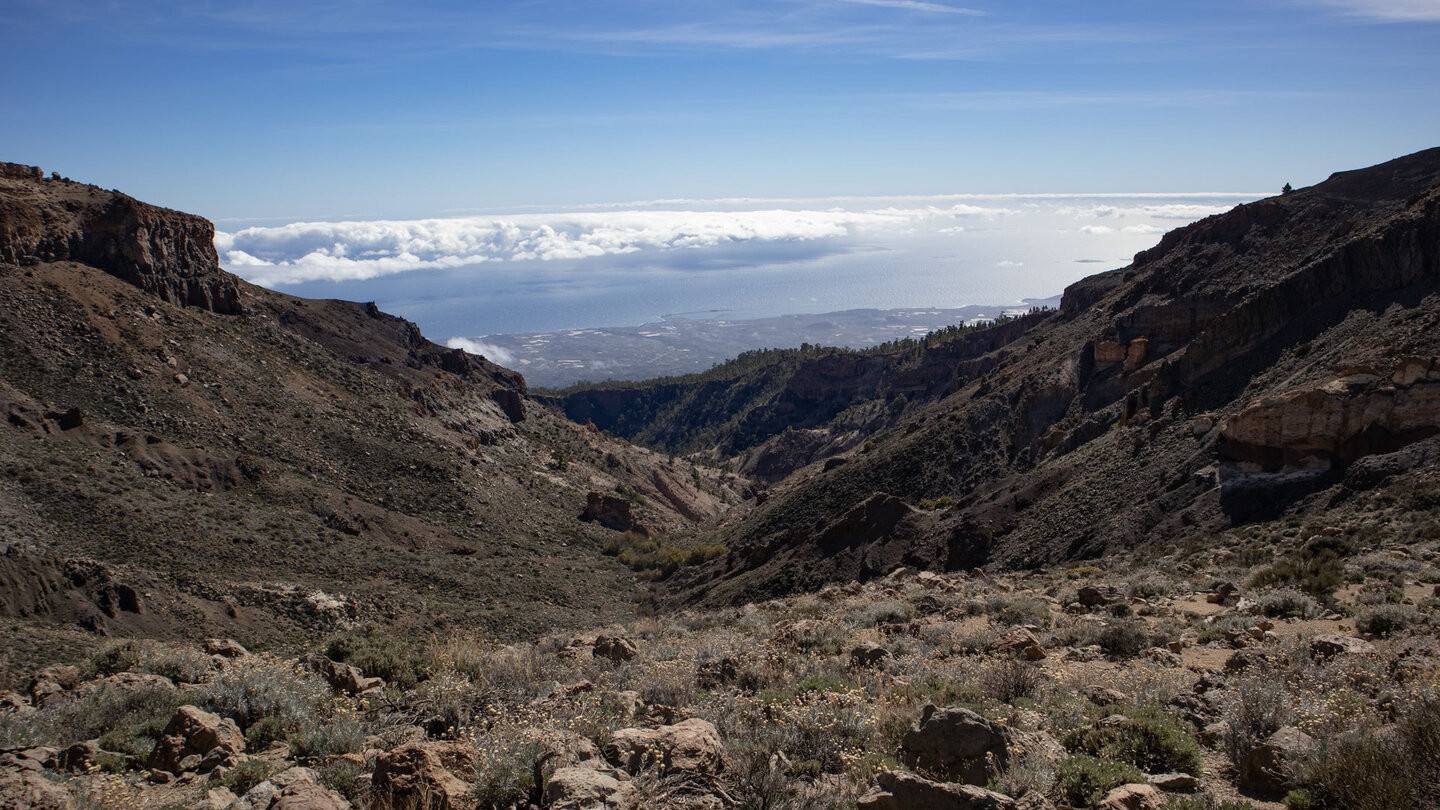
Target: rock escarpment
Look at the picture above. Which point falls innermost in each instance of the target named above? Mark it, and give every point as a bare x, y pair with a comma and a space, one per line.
161, 251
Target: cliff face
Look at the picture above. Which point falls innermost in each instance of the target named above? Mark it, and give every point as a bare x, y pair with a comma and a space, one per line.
164, 252
1245, 363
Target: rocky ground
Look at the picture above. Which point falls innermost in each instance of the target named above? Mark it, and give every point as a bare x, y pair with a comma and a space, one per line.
1291, 662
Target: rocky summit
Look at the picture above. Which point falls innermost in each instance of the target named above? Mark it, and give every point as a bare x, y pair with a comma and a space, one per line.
1170, 545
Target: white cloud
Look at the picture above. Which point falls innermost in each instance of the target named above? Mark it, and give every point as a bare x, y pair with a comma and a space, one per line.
920, 5
1387, 10
491, 352
350, 251
1185, 211
1097, 229
1009, 263
1142, 229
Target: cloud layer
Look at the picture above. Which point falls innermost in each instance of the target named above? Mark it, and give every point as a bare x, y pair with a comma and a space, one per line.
349, 251
356, 251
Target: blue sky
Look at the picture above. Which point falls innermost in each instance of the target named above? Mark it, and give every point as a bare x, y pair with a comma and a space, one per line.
265, 112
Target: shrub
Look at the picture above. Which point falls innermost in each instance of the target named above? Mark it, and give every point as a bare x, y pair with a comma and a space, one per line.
112, 660
1286, 603
1013, 610
656, 557
1082, 780
1257, 708
135, 739
249, 691
246, 775
505, 771
1317, 568
1125, 639
877, 613
1010, 680
340, 776
378, 653
320, 737
1150, 742
1387, 619
1365, 770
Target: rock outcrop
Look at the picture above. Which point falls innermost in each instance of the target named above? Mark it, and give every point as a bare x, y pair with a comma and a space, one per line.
164, 252
434, 775
1356, 415
961, 746
692, 746
194, 733
899, 790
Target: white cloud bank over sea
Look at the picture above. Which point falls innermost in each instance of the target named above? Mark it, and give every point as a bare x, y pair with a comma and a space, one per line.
738, 258
357, 250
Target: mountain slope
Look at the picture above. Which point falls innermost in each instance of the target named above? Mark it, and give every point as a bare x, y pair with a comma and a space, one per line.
1249, 360
262, 466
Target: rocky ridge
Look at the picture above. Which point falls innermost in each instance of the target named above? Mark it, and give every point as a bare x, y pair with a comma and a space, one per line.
183, 452
1242, 366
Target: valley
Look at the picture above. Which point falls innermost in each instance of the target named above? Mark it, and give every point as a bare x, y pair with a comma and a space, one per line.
1168, 542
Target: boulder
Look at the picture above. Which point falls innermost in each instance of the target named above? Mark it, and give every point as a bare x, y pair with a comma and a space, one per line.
868, 654
14, 702
1019, 642
68, 677
1173, 782
1095, 596
225, 648
26, 789
432, 775
589, 789
1266, 769
308, 796
959, 745
612, 513
342, 677
127, 682
899, 790
618, 649
1103, 695
1132, 797
692, 746
79, 757
194, 732
1332, 644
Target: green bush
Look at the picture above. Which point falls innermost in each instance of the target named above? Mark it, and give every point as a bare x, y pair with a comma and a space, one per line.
135, 739
1082, 780
112, 660
379, 653
1149, 741
1317, 568
656, 557
320, 737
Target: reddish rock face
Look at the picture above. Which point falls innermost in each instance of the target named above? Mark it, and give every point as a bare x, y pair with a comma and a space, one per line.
161, 251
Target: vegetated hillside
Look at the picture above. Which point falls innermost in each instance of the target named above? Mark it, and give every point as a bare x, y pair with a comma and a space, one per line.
762, 408
1282, 355
260, 466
